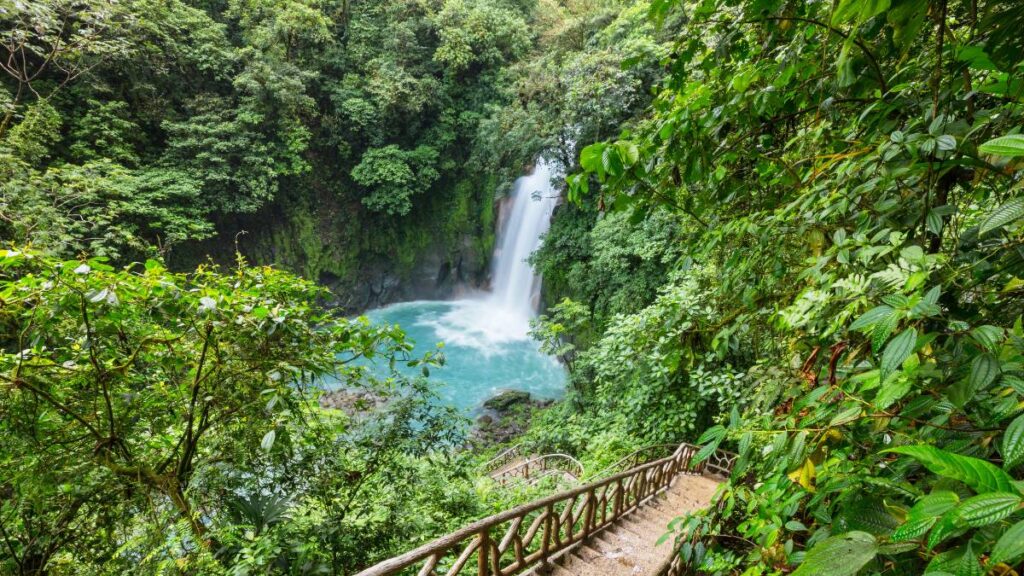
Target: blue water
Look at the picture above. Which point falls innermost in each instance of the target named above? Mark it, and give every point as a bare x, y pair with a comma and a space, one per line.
487, 350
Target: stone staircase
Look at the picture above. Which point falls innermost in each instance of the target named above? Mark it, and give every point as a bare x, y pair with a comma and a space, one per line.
607, 527
630, 546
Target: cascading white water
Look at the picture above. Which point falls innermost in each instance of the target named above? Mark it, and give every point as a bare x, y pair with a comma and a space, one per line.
490, 321
487, 342
515, 287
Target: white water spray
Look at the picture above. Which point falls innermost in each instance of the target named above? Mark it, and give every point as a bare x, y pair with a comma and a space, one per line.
516, 285
503, 316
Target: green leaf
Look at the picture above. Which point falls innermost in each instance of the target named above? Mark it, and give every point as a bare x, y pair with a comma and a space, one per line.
934, 222
898, 350
841, 555
858, 10
1012, 447
1010, 546
945, 142
590, 157
913, 528
1005, 214
988, 337
871, 317
848, 415
704, 452
716, 433
968, 565
928, 306
796, 526
984, 371
268, 441
611, 161
948, 525
629, 153
935, 504
883, 329
1011, 145
980, 475
891, 392
985, 509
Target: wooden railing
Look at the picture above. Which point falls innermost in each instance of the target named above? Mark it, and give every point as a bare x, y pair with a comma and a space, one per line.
720, 463
513, 541
541, 466
635, 458
503, 458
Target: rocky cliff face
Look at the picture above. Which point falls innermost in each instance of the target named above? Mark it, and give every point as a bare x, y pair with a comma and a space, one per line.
440, 273
441, 249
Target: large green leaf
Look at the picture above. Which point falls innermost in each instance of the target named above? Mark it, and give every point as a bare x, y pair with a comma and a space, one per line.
925, 513
980, 475
841, 555
897, 351
891, 392
935, 504
988, 337
858, 10
984, 371
1012, 447
985, 509
948, 525
590, 157
1011, 145
1010, 546
1003, 215
871, 317
880, 333
629, 153
913, 529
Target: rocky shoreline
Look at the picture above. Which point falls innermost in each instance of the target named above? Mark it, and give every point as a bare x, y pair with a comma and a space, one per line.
352, 402
505, 416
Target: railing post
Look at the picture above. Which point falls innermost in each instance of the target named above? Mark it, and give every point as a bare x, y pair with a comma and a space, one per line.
545, 541
588, 515
483, 566
617, 511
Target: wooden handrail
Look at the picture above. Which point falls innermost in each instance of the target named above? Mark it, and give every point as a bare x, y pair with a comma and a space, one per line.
512, 541
630, 460
501, 459
542, 464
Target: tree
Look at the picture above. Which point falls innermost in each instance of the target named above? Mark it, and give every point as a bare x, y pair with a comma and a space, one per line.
159, 391
48, 44
394, 176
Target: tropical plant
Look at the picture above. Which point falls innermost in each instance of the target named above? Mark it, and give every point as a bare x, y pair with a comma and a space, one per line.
851, 170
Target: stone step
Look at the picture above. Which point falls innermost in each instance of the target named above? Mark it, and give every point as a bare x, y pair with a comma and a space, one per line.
627, 547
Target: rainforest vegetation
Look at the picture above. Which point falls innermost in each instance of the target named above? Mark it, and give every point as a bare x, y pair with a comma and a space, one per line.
792, 229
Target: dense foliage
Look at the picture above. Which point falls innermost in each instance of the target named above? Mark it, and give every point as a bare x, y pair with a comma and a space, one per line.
794, 231
342, 136
847, 291
153, 422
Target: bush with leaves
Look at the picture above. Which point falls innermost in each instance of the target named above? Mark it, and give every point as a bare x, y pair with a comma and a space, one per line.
852, 170
154, 420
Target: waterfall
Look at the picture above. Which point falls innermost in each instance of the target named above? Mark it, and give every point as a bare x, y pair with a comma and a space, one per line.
491, 321
516, 288
486, 335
